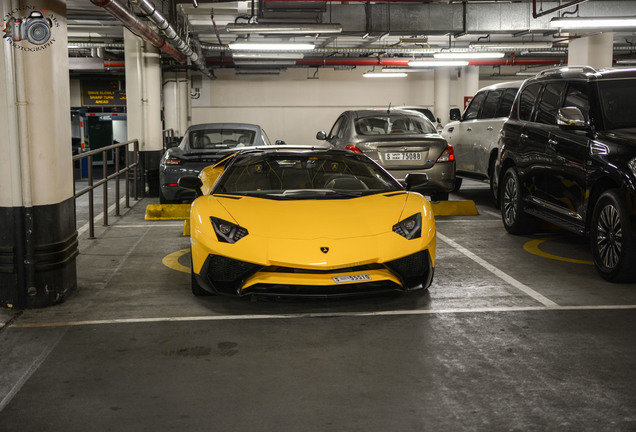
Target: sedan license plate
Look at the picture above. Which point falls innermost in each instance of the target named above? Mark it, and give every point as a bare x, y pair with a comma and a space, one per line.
351, 278
413, 156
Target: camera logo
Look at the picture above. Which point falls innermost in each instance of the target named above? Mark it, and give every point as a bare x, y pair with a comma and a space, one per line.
35, 28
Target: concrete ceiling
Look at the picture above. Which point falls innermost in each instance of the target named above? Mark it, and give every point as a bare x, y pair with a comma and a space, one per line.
388, 33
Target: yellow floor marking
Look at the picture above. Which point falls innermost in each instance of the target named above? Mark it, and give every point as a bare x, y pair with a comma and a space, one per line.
172, 261
533, 247
167, 211
454, 208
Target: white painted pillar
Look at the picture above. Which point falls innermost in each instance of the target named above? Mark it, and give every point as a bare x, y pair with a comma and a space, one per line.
595, 51
469, 85
38, 242
143, 105
176, 92
442, 93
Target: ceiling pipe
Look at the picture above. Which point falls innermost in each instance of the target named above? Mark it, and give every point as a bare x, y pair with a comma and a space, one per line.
151, 12
135, 25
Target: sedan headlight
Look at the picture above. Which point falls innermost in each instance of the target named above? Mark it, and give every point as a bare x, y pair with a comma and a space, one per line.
409, 228
227, 232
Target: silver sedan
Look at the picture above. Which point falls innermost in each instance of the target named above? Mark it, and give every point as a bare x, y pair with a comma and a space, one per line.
402, 142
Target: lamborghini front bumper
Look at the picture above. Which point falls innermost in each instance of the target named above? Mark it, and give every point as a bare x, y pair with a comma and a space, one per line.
223, 275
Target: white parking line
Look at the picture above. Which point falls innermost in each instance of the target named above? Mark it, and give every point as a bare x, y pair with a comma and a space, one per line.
500, 274
322, 315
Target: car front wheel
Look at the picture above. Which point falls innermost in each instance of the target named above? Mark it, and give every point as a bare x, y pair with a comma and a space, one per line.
611, 238
515, 220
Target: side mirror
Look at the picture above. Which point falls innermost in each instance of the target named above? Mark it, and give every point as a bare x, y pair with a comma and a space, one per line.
571, 118
322, 136
455, 114
192, 183
415, 180
280, 142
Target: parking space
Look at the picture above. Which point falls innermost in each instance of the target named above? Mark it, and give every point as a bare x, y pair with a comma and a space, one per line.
507, 338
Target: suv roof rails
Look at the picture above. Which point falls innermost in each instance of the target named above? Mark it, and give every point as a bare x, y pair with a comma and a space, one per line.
562, 69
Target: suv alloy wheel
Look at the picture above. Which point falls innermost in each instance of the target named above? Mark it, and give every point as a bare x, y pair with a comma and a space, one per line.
612, 246
515, 220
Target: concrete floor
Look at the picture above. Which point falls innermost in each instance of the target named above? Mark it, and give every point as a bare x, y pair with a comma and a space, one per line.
505, 339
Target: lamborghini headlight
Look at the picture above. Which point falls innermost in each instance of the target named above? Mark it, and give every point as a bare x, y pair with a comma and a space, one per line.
227, 232
409, 228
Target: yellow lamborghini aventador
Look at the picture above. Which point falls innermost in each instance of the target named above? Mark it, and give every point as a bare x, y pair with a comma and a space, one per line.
300, 221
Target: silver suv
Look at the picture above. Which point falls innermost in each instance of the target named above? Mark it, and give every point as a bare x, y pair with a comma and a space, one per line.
475, 135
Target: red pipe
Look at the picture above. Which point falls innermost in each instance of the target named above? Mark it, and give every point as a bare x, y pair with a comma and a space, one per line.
135, 25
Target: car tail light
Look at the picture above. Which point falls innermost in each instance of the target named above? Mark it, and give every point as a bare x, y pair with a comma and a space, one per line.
353, 148
173, 161
448, 155
171, 184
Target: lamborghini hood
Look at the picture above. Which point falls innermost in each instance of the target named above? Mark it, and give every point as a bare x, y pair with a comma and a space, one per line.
319, 218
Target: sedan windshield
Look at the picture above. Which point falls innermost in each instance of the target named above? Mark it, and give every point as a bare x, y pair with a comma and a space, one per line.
220, 138
618, 103
305, 176
393, 124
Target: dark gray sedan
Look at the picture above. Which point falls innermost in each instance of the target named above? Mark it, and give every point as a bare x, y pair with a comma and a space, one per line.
402, 142
203, 145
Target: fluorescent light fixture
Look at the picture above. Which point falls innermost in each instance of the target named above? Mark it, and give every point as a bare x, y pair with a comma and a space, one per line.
468, 55
437, 63
281, 46
593, 22
625, 62
544, 53
511, 45
242, 28
384, 74
268, 55
405, 70
524, 73
264, 62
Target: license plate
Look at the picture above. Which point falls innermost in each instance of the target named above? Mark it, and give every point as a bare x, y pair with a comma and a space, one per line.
351, 278
403, 156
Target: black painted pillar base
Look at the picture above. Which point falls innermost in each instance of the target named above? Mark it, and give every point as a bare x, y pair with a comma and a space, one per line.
37, 266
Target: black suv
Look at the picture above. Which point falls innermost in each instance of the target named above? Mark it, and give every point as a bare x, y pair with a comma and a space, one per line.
568, 156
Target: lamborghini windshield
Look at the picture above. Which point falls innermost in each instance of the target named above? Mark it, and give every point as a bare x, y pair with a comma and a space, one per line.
310, 175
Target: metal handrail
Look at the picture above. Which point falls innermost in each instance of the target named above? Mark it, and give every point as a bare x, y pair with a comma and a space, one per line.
105, 178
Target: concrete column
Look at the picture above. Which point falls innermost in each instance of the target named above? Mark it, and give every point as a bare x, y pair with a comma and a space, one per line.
38, 239
596, 51
176, 95
143, 105
442, 93
469, 85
